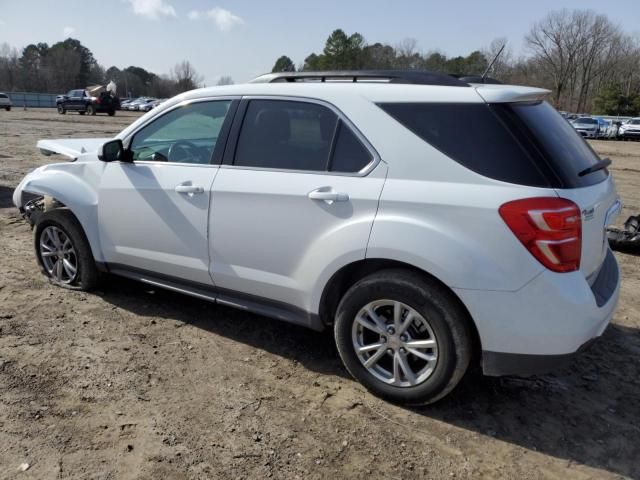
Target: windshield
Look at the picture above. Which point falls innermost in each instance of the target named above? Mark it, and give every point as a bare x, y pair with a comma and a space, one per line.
634, 122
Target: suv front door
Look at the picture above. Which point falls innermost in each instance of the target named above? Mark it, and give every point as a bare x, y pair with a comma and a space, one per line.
296, 197
153, 211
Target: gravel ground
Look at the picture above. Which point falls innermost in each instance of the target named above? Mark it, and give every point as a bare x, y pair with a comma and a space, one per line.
129, 382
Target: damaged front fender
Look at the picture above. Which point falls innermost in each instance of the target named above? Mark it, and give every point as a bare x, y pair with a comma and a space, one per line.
75, 185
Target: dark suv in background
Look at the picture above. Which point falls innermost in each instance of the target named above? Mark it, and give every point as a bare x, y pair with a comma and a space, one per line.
80, 101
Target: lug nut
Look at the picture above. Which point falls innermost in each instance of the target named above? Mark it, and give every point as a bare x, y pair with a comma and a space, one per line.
383, 339
403, 338
402, 350
391, 330
389, 351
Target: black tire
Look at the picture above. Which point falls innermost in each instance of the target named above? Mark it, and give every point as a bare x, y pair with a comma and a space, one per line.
111, 113
435, 303
87, 275
81, 112
61, 109
91, 110
8, 109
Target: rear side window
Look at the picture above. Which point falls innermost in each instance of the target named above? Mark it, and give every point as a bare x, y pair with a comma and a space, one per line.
2, 95
472, 135
349, 154
286, 135
522, 143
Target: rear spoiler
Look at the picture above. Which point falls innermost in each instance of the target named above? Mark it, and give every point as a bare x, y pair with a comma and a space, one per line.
510, 93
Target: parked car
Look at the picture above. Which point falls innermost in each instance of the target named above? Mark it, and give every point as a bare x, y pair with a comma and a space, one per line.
611, 131
135, 104
125, 102
5, 102
588, 127
354, 205
80, 101
145, 107
630, 129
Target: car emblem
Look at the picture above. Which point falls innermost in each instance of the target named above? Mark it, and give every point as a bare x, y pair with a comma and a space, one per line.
587, 213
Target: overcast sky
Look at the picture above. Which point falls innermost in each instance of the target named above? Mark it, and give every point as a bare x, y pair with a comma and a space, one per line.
244, 38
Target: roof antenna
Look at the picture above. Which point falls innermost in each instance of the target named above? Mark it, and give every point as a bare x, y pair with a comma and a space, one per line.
493, 61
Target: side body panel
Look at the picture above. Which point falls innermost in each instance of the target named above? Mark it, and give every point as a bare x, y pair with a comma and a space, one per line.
270, 240
146, 224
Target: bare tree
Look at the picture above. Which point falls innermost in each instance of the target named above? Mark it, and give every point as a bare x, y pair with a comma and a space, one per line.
225, 80
185, 76
556, 41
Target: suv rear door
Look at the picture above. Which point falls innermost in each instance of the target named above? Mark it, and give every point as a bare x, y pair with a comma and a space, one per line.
296, 195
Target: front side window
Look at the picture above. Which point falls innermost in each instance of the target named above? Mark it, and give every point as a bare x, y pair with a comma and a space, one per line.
187, 134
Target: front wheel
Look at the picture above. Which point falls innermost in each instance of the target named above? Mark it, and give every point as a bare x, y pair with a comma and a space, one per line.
8, 109
61, 110
63, 251
91, 110
404, 336
111, 113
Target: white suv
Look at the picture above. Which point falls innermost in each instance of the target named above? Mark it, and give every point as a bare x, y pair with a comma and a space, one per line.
428, 221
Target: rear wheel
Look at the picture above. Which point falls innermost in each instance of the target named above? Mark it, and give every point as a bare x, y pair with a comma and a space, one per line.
91, 110
111, 113
81, 112
63, 251
61, 109
8, 109
405, 337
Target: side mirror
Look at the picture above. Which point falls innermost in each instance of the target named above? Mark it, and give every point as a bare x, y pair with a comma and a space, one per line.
112, 151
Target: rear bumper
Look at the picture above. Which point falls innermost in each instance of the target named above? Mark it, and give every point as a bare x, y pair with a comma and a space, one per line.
498, 364
544, 324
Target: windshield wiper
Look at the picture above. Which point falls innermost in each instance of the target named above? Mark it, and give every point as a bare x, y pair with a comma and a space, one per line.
600, 165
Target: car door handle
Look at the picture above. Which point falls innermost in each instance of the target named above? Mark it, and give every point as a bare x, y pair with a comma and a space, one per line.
190, 189
328, 195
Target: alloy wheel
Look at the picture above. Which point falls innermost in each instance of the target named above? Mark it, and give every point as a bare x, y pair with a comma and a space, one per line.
58, 255
395, 343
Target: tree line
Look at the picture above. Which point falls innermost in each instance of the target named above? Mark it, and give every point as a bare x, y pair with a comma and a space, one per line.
68, 64
586, 60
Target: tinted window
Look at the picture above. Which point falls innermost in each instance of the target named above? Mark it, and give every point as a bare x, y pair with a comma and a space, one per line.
187, 134
559, 145
2, 95
522, 143
587, 121
349, 154
634, 122
472, 135
285, 134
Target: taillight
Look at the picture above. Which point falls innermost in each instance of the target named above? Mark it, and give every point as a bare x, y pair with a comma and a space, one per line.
550, 228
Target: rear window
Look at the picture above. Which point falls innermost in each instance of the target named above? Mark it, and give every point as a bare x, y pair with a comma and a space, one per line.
2, 95
521, 143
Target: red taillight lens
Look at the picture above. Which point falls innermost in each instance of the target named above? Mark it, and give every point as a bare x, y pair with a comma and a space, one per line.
550, 228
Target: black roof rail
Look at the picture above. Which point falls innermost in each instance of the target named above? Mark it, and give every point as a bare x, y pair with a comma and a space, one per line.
417, 77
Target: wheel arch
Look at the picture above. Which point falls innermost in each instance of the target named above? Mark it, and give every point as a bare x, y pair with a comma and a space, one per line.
349, 274
75, 195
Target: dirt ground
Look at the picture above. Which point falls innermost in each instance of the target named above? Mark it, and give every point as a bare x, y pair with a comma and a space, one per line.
129, 382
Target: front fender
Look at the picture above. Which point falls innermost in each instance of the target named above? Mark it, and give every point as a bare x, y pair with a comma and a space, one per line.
67, 187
